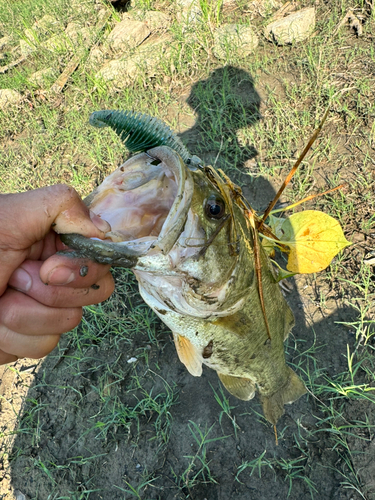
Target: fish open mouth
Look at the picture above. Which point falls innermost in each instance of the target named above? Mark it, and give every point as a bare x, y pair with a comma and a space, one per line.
145, 201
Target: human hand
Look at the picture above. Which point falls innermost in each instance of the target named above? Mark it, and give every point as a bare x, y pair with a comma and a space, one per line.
32, 314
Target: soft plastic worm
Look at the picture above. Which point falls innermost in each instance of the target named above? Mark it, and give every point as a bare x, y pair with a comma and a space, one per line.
138, 131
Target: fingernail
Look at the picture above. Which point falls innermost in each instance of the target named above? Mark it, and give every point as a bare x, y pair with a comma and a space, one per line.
21, 280
100, 223
60, 276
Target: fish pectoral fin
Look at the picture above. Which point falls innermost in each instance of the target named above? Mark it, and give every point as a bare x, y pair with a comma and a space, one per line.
273, 406
242, 388
189, 355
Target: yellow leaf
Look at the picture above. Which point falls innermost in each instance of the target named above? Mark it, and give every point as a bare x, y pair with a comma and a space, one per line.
314, 239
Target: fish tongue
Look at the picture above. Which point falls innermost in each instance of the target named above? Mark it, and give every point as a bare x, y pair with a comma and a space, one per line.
242, 388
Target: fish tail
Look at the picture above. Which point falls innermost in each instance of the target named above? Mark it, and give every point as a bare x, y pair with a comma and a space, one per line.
273, 406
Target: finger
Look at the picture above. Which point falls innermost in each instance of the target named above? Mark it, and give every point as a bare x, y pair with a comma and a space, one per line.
24, 315
7, 358
38, 210
77, 273
46, 247
16, 345
26, 279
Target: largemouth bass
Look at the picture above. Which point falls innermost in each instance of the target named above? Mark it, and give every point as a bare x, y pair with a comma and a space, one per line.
188, 240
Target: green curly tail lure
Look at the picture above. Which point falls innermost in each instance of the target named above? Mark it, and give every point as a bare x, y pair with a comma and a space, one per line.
139, 132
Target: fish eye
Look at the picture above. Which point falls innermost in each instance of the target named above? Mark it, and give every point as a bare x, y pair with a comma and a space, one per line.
214, 207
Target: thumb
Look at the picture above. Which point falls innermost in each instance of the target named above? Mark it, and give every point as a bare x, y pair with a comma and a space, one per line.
26, 218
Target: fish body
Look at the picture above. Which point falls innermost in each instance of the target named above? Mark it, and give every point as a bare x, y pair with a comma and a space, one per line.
188, 238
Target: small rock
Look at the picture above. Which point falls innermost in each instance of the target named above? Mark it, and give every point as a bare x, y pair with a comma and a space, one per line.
132, 360
96, 56
145, 61
156, 20
86, 35
8, 97
43, 77
189, 11
128, 34
57, 43
357, 237
79, 35
47, 24
114, 71
293, 28
234, 39
72, 29
4, 42
26, 48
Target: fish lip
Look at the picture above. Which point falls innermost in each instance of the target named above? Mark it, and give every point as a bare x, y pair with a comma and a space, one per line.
125, 254
176, 219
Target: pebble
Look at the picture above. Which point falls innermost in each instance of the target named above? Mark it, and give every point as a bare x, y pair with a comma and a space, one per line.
234, 39
8, 97
293, 28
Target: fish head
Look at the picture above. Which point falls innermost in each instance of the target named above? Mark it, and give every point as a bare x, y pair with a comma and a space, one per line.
171, 222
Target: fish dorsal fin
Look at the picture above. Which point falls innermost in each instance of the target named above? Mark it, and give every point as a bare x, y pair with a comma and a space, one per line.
242, 388
189, 355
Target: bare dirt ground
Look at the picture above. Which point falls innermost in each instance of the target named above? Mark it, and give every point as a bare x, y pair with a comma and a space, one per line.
66, 407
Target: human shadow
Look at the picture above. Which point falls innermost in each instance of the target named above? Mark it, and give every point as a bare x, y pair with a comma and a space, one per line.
226, 104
